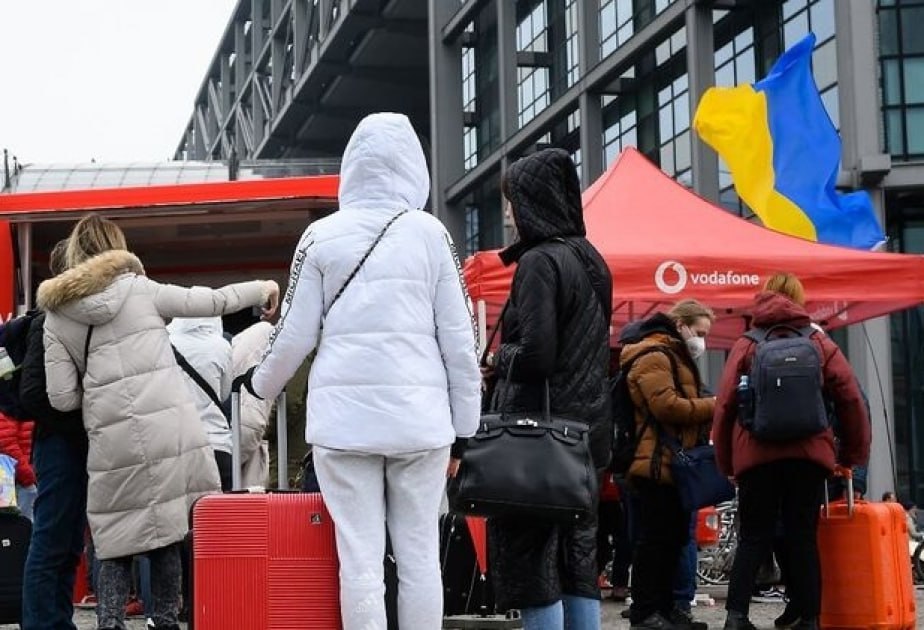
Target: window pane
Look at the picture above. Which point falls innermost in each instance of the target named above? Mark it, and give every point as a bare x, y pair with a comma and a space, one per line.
792, 6
745, 70
795, 29
888, 32
667, 158
723, 54
895, 132
915, 122
608, 20
912, 18
891, 82
725, 76
667, 123
914, 80
683, 151
822, 17
682, 112
744, 39
829, 98
824, 65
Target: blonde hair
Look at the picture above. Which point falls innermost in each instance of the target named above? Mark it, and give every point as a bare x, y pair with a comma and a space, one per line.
688, 312
57, 257
91, 236
786, 284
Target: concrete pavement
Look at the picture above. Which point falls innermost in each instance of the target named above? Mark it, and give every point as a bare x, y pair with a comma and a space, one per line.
761, 614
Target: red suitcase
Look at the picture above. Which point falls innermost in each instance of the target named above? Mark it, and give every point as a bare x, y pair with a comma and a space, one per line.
263, 561
865, 566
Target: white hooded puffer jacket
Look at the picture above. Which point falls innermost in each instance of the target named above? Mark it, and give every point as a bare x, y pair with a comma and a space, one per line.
396, 369
200, 341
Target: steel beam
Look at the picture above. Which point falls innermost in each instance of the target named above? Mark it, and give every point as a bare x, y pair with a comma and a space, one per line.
701, 71
590, 103
446, 122
506, 66
453, 27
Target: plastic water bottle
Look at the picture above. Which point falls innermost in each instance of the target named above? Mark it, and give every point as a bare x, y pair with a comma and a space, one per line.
745, 398
7, 367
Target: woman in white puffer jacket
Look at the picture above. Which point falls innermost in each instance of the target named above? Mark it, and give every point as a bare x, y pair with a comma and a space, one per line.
107, 353
199, 341
395, 380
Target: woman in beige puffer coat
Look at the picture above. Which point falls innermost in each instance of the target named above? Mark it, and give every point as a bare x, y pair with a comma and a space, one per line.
107, 351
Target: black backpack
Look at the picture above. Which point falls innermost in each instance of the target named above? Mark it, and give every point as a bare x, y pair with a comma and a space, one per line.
785, 401
14, 336
627, 435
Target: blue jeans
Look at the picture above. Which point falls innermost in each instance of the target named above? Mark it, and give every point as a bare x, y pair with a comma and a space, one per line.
571, 613
57, 534
685, 578
25, 499
143, 571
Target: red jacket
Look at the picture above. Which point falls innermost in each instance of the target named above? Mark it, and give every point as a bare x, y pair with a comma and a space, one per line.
16, 441
737, 451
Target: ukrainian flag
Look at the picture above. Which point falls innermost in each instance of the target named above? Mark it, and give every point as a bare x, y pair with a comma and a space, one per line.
784, 154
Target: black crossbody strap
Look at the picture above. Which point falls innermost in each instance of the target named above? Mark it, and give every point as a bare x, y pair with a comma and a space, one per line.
497, 327
362, 260
86, 349
194, 375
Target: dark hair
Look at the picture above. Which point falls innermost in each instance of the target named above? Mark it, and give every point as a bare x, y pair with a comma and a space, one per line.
57, 258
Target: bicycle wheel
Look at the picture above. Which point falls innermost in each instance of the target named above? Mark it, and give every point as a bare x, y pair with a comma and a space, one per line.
713, 564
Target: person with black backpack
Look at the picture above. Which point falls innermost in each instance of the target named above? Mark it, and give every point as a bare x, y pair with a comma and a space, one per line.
772, 433
664, 384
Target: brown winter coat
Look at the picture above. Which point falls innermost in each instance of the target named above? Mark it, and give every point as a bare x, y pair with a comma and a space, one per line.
738, 451
683, 415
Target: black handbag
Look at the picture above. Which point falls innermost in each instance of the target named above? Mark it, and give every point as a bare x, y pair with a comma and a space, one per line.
527, 465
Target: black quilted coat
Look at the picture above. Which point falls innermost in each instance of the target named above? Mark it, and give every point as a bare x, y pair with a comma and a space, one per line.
556, 328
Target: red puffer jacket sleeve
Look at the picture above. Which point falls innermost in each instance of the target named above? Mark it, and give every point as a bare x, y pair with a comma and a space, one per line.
11, 444
25, 475
842, 388
726, 406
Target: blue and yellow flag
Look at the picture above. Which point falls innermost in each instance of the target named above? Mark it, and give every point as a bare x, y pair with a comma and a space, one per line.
784, 154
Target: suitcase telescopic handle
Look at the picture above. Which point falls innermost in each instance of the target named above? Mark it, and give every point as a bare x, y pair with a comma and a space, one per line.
282, 445
847, 474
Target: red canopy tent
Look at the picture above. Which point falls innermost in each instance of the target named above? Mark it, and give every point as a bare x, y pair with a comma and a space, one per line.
664, 243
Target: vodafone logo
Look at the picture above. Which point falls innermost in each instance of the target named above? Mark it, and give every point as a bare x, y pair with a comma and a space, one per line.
672, 277
673, 282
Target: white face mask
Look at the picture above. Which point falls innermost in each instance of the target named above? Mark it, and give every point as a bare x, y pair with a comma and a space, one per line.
696, 346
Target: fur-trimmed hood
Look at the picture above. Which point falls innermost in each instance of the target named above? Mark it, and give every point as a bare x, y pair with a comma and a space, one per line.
92, 292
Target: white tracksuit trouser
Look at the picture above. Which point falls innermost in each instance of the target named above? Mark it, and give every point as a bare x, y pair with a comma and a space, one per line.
362, 493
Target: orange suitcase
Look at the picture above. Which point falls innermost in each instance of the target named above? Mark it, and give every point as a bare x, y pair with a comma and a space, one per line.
865, 566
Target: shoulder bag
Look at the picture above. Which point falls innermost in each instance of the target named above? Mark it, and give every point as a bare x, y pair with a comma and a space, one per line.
694, 470
528, 465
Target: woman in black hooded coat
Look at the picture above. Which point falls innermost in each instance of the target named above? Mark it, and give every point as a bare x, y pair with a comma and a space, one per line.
556, 328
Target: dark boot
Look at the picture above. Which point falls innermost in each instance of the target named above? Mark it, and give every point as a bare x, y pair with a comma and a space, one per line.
656, 621
683, 620
789, 618
738, 621
806, 624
